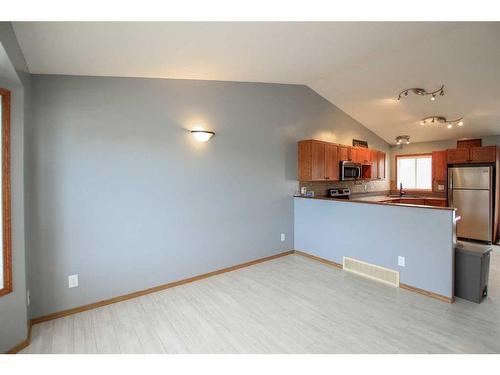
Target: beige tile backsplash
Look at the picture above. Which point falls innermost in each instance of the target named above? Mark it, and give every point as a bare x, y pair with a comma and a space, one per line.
320, 187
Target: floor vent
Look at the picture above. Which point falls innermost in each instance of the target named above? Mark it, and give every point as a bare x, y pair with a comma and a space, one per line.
371, 271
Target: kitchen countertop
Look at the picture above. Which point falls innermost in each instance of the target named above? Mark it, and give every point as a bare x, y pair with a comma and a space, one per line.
384, 200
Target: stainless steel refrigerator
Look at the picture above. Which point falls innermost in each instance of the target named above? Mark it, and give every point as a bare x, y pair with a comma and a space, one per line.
470, 191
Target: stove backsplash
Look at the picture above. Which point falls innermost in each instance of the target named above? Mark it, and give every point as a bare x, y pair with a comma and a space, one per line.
320, 187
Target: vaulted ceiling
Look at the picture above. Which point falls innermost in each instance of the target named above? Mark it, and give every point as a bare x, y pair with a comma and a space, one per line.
360, 67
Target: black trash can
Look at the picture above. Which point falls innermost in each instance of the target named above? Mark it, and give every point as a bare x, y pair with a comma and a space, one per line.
472, 267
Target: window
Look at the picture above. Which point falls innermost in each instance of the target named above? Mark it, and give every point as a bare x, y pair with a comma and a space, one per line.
5, 252
414, 171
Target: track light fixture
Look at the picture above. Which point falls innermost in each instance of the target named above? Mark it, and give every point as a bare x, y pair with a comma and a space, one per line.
422, 92
402, 139
442, 120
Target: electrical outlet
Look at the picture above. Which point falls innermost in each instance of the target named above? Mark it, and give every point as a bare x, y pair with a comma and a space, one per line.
72, 281
401, 261
282, 237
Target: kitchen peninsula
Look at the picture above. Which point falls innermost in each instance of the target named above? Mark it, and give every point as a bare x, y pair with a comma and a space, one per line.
416, 241
411, 235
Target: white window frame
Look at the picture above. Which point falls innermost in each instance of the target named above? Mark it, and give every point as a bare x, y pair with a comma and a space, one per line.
415, 157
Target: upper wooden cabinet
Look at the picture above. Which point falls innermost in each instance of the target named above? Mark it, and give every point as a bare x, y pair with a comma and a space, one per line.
381, 165
439, 170
359, 155
472, 155
331, 162
374, 163
483, 154
458, 155
344, 153
318, 161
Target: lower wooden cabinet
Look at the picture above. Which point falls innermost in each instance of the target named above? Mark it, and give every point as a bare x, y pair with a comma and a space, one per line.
412, 201
435, 202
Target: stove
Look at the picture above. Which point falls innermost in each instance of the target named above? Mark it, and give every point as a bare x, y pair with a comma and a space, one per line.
339, 193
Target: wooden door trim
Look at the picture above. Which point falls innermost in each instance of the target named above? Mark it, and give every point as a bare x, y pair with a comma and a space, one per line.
6, 189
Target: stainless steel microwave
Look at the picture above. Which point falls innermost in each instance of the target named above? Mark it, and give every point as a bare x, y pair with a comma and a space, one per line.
349, 170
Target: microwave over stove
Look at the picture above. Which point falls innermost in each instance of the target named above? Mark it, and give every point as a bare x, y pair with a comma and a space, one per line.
349, 171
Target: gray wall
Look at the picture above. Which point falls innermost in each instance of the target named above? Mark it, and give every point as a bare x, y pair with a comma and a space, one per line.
378, 234
120, 194
14, 76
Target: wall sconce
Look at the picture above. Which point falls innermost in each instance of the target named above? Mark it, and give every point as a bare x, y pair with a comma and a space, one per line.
202, 135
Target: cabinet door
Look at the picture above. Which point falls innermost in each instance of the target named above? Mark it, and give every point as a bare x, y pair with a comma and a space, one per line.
343, 153
352, 154
483, 154
304, 160
381, 165
412, 201
331, 162
374, 163
318, 161
468, 143
439, 170
458, 155
435, 202
362, 155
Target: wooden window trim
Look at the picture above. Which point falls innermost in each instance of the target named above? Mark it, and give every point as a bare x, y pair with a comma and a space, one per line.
396, 171
6, 214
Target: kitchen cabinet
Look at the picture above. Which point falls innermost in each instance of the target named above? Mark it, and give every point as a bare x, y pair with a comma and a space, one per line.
472, 155
435, 202
354, 154
483, 154
331, 162
344, 153
318, 161
412, 201
381, 165
439, 170
458, 155
362, 155
468, 143
374, 163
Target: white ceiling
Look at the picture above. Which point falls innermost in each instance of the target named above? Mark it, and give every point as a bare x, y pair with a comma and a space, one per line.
360, 67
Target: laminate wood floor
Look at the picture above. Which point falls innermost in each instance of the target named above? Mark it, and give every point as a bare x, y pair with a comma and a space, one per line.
288, 305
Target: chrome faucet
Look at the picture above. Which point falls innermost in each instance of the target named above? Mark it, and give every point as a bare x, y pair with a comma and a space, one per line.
401, 192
